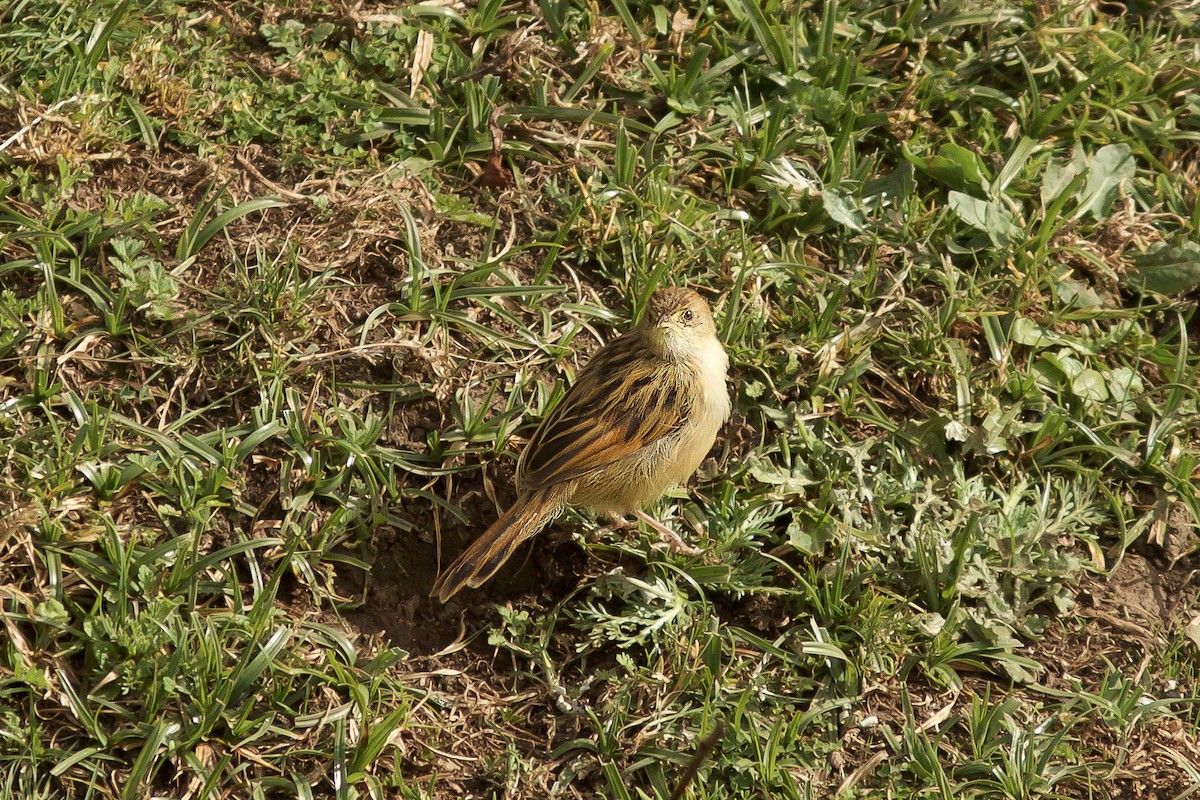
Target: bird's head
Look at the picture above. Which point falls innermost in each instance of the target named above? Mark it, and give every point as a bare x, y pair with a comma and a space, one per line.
679, 320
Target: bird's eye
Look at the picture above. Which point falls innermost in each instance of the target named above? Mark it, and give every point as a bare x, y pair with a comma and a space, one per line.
688, 315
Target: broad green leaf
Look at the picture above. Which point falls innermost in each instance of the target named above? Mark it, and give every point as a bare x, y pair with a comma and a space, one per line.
842, 210
954, 166
1090, 385
808, 538
988, 216
1124, 384
1076, 294
1108, 169
1168, 269
1071, 366
1057, 178
970, 210
967, 161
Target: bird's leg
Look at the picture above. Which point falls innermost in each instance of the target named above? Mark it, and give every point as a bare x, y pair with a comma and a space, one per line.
670, 538
617, 522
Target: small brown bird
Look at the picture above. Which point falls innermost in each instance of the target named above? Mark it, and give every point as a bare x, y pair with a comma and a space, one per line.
641, 417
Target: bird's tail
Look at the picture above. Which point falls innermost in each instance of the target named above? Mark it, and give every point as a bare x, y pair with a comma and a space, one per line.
488, 553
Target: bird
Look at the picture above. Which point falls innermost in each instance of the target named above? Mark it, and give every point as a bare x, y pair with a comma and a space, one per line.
642, 415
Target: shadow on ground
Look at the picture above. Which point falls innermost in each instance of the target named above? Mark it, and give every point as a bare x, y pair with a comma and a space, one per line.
395, 594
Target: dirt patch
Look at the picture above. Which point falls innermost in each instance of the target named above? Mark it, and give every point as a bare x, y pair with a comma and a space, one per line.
1128, 623
395, 595
1152, 591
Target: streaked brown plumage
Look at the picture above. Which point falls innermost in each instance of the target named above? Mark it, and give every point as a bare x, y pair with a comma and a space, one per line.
641, 417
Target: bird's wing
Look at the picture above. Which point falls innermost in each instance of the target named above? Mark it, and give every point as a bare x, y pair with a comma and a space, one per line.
626, 398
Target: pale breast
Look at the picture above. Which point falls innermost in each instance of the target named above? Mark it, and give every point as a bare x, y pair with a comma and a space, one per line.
642, 477
710, 412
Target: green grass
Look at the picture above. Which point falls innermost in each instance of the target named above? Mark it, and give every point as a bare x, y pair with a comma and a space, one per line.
272, 330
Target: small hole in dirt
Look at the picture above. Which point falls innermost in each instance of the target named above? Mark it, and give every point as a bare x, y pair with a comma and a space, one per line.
404, 567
